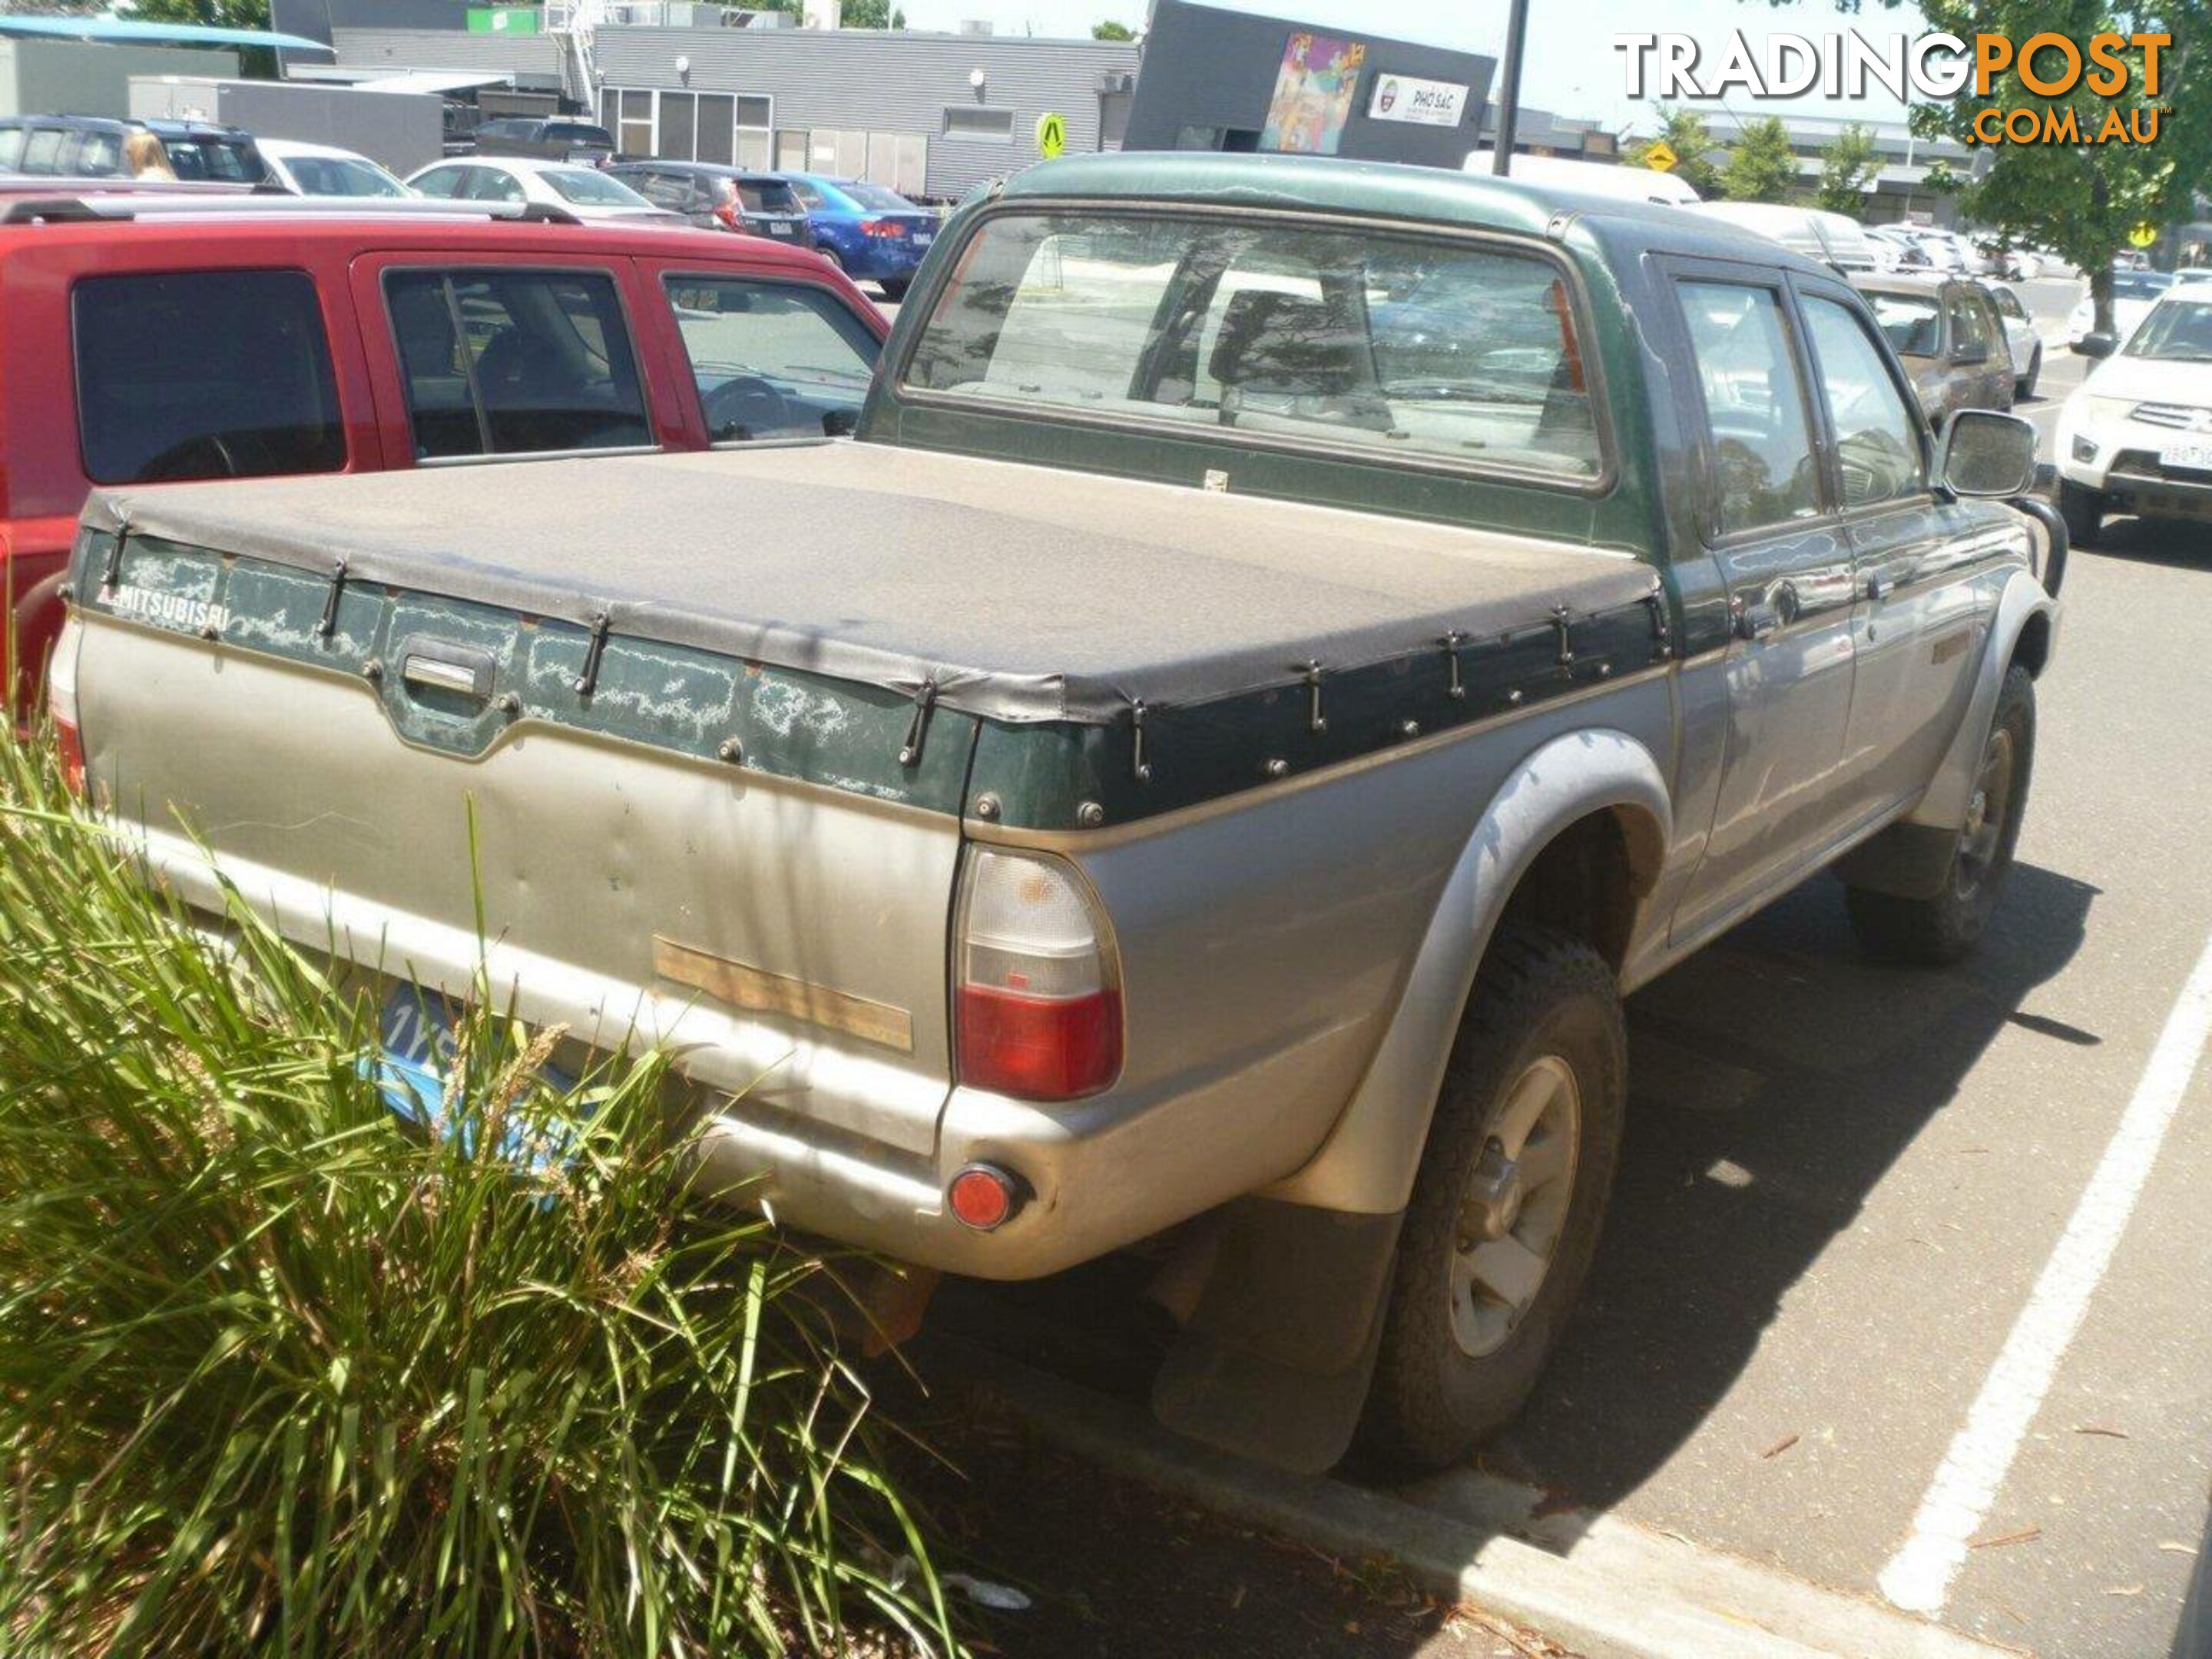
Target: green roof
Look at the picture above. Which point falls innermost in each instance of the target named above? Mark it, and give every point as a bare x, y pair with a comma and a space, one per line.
1314, 184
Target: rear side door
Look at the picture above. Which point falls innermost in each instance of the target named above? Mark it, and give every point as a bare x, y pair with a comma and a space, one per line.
1770, 528
1919, 560
1979, 358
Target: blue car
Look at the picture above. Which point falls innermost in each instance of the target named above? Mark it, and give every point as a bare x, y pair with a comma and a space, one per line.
876, 235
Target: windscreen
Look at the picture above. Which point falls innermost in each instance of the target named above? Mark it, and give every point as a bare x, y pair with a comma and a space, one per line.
1452, 351
876, 199
2177, 330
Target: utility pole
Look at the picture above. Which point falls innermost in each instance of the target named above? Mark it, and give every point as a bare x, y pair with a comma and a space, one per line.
1509, 89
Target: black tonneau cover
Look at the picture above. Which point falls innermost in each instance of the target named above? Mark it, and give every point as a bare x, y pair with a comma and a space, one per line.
1025, 593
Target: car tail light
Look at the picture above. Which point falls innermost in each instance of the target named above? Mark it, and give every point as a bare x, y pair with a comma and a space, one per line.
730, 209
1038, 991
882, 228
61, 705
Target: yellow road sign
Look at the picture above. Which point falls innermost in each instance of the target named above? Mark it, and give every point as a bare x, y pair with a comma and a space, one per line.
1051, 135
1660, 157
2144, 234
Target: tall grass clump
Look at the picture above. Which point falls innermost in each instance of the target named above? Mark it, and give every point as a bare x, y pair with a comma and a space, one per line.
283, 1374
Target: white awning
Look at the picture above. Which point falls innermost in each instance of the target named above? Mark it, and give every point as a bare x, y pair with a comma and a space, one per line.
434, 81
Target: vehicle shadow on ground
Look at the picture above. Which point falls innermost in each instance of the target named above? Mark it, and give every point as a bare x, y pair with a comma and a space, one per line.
2166, 543
1775, 1077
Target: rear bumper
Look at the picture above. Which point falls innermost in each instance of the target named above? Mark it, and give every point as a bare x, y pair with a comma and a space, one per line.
831, 1140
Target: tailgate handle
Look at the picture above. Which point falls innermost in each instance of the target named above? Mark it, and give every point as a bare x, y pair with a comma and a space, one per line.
434, 665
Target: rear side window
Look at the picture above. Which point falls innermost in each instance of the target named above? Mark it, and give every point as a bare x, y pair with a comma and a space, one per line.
11, 148
205, 374
1762, 451
511, 362
100, 154
42, 149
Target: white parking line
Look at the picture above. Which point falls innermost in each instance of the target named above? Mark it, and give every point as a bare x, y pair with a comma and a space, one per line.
1919, 1577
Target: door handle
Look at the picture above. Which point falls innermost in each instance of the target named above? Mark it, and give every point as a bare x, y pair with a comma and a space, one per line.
1880, 586
427, 665
1757, 618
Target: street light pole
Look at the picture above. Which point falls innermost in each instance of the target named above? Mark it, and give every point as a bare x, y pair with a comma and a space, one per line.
1509, 91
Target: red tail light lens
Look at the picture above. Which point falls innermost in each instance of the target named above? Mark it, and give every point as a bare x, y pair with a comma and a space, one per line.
1037, 1006
882, 228
61, 705
728, 207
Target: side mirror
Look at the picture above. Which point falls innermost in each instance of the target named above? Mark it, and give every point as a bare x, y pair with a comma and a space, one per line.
2099, 344
1982, 453
1972, 353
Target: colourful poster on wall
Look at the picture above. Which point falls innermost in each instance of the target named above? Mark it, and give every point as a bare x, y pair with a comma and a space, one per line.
1313, 94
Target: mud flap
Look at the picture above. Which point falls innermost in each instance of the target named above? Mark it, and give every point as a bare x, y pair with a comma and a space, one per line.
1275, 1363
1912, 860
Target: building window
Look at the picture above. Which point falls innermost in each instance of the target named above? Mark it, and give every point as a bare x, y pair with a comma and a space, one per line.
635, 136
721, 127
972, 121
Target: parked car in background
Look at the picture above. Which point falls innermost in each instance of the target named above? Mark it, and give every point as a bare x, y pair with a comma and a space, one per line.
2134, 293
307, 169
91, 147
718, 197
2137, 436
1199, 774
176, 336
1895, 251
548, 137
1833, 240
1946, 331
873, 233
2022, 336
584, 192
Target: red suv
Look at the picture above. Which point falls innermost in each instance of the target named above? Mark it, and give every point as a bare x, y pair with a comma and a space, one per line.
158, 337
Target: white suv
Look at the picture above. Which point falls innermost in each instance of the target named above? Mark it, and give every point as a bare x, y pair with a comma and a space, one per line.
2137, 436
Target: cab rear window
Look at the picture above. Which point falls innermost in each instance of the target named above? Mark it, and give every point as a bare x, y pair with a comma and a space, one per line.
1450, 352
204, 374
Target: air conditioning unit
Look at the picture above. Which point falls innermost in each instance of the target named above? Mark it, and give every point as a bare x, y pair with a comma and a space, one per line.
974, 26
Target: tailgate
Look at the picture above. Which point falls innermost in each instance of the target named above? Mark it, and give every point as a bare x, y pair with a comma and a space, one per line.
700, 850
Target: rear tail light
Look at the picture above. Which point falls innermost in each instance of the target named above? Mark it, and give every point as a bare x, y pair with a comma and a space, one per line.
729, 209
61, 705
1038, 991
882, 228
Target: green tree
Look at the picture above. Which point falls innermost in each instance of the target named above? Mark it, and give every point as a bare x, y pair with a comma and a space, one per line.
1762, 167
1685, 132
1110, 30
1848, 165
2080, 199
871, 14
220, 13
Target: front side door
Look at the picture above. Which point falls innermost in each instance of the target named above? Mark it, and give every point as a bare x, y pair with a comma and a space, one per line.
1787, 563
1919, 563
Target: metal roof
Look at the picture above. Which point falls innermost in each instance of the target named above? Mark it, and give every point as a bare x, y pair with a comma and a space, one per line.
112, 31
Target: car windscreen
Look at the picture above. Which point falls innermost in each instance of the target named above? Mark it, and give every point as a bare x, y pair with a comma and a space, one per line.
1283, 333
1913, 322
232, 159
876, 199
587, 187
2177, 330
767, 196
205, 374
2140, 285
339, 175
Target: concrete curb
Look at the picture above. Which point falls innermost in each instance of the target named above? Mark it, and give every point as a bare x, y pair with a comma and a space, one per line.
1617, 1591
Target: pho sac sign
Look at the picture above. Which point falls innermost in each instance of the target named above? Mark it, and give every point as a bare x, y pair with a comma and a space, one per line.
1426, 103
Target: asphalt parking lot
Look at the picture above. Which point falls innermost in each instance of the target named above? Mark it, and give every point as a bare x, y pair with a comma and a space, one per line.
1898, 1256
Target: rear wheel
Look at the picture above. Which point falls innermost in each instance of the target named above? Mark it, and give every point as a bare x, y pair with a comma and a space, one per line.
2083, 511
895, 287
1507, 1204
1943, 928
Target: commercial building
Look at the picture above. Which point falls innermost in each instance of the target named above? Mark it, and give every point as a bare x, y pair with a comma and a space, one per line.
75, 77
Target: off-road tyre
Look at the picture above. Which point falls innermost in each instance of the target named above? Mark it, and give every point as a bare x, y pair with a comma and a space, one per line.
2083, 511
1937, 931
1539, 994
